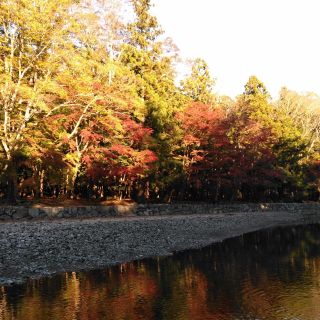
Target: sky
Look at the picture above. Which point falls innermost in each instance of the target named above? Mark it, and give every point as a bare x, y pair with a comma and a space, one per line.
276, 40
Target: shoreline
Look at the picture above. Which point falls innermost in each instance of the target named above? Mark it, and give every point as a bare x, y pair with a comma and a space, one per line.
34, 249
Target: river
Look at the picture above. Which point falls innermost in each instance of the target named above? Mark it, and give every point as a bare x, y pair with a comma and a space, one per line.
269, 274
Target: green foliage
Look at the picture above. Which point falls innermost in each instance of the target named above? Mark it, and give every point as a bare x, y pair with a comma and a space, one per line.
144, 54
254, 102
199, 85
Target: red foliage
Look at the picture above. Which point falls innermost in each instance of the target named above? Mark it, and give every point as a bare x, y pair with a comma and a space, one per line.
137, 133
228, 148
89, 136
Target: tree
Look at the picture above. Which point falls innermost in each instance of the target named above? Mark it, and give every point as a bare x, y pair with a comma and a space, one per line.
252, 170
199, 85
254, 102
151, 62
203, 148
289, 146
32, 34
93, 119
104, 22
225, 154
304, 111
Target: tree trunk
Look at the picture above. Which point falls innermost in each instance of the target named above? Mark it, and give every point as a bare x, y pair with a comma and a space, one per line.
41, 183
12, 182
217, 190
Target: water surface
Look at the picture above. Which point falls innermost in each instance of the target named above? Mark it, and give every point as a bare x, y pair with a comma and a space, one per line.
271, 274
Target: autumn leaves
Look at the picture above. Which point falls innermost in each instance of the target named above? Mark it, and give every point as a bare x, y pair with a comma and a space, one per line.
90, 107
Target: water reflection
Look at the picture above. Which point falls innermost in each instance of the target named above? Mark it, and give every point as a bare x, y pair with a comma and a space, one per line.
273, 274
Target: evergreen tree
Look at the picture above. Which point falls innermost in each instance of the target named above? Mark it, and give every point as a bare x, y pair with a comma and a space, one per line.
144, 55
199, 85
254, 102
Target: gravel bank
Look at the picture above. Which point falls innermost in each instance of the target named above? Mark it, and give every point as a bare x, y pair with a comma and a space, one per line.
39, 248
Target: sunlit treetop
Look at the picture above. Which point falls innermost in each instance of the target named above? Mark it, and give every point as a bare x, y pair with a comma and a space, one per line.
199, 84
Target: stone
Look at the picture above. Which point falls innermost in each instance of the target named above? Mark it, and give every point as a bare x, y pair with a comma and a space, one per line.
34, 212
20, 213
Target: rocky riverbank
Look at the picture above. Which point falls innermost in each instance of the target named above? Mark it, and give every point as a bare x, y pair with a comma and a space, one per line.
40, 248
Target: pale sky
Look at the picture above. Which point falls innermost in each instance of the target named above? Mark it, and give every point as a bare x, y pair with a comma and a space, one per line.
276, 40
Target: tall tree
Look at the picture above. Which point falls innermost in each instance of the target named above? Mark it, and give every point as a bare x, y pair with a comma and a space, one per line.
254, 102
32, 33
289, 147
199, 85
203, 148
148, 57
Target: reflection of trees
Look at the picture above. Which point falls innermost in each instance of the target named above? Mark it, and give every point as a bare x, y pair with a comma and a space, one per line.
114, 293
261, 270
252, 274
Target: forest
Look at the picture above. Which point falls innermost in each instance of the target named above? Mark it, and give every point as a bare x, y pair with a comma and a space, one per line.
92, 107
